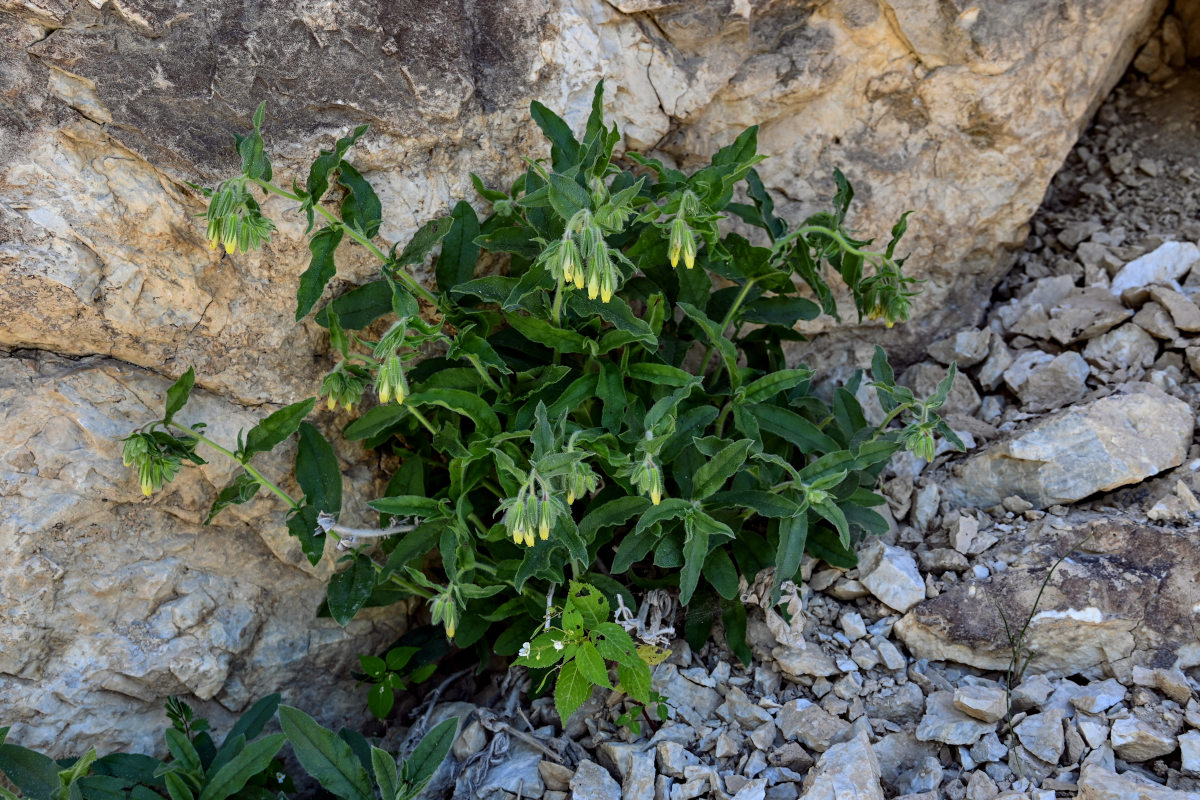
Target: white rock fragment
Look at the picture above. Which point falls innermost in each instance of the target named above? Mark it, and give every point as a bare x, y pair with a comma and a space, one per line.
946, 724
890, 574
1136, 740
847, 771
1164, 265
1189, 753
984, 703
1098, 697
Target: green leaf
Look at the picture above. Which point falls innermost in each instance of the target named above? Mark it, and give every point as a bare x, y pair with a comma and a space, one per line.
177, 788
834, 515
349, 589
407, 505
361, 209
793, 428
264, 436
590, 602
375, 422
472, 406
614, 512
591, 665
420, 767
177, 395
317, 470
715, 337
562, 340
564, 149
617, 313
321, 269
733, 618
571, 691
567, 197
545, 650
241, 489
252, 722
359, 307
823, 543
613, 642
671, 508
695, 553
720, 468
386, 774
460, 253
230, 778
325, 756
424, 240
721, 573
329, 160
34, 774
184, 753
793, 535
634, 675
765, 504
780, 311
660, 374
380, 700
766, 387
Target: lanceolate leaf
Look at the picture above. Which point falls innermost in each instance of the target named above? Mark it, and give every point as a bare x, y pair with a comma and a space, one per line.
264, 436
34, 774
177, 395
469, 405
320, 269
456, 264
793, 535
349, 589
230, 778
695, 553
325, 756
361, 209
713, 474
564, 149
430, 753
317, 470
571, 691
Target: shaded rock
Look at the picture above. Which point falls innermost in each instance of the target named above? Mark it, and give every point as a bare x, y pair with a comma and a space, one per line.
985, 703
965, 348
1126, 599
1099, 696
890, 573
1134, 739
1165, 265
1044, 382
1184, 313
924, 776
674, 758
943, 559
755, 789
946, 724
847, 771
965, 536
1127, 346
1083, 314
1095, 447
693, 701
903, 703
592, 782
1189, 753
1156, 321
999, 359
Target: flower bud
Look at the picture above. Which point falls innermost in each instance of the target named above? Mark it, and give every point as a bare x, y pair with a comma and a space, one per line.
679, 231
689, 250
545, 518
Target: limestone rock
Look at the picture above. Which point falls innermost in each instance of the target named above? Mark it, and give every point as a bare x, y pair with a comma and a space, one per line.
1126, 599
965, 348
985, 703
1044, 382
811, 725
224, 613
1134, 739
847, 771
592, 782
946, 724
924, 378
1126, 346
1042, 735
1095, 447
890, 573
1098, 783
1165, 265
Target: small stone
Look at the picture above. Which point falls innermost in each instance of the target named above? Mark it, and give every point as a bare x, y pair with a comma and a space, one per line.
1136, 740
639, 781
807, 661
981, 702
556, 777
943, 559
1173, 683
945, 723
849, 686
1015, 504
1093, 730
1096, 698
864, 655
989, 749
981, 787
1042, 735
965, 536
1032, 692
673, 757
965, 348
592, 782
1189, 753
695, 703
1192, 713
726, 746
763, 736
899, 704
738, 708
891, 575
791, 755
891, 657
1044, 382
924, 378
999, 359
924, 777
752, 790
1165, 265
1099, 783
852, 625
472, 739
1126, 346
1156, 321
1184, 313
811, 725
848, 770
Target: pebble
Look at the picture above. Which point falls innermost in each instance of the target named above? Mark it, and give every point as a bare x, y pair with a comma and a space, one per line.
981, 702
1135, 740
890, 574
592, 782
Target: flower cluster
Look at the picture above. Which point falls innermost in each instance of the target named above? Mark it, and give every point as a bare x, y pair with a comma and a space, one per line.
647, 478
157, 458
534, 508
235, 219
390, 382
344, 385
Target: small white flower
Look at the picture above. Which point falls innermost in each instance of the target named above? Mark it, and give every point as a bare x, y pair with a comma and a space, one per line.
558, 645
524, 651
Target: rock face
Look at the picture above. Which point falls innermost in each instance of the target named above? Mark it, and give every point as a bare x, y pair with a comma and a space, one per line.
108, 111
112, 602
1125, 598
1094, 447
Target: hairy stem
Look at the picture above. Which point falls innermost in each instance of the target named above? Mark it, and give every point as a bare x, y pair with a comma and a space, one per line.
254, 473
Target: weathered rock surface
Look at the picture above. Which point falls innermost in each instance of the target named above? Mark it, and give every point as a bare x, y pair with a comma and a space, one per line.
112, 602
1094, 447
1125, 597
847, 771
1098, 783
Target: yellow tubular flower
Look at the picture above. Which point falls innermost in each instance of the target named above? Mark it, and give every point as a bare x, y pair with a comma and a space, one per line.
679, 230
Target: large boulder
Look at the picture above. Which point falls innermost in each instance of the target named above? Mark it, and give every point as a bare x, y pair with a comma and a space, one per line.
109, 109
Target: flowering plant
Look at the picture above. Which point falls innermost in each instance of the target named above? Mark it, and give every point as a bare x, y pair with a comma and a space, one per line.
610, 408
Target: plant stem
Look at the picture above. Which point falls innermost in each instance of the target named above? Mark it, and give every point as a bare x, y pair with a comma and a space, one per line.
254, 473
421, 419
408, 281
733, 309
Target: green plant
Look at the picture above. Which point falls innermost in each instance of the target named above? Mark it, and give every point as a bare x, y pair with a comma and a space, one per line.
389, 675
244, 766
574, 425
